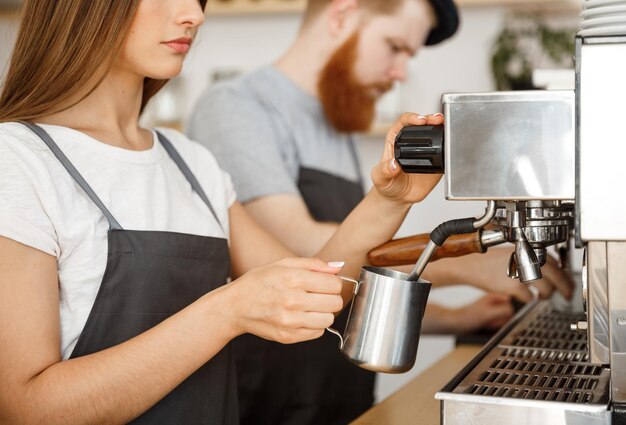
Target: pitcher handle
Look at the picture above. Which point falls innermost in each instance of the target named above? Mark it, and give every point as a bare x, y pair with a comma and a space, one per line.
334, 331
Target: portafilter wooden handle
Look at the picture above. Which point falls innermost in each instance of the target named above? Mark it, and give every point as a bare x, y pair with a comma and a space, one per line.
407, 250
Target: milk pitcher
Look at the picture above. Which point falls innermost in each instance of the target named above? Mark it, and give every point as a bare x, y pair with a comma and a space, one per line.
383, 327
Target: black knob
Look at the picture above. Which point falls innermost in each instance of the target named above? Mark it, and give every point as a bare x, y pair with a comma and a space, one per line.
419, 149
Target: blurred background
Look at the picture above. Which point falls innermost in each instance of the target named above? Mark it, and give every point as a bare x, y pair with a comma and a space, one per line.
501, 44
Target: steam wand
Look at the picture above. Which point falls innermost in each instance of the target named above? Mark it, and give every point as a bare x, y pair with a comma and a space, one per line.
447, 229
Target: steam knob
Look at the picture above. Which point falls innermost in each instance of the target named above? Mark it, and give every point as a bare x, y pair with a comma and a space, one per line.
580, 326
419, 149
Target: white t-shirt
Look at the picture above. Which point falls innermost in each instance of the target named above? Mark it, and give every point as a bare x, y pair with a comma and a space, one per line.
42, 206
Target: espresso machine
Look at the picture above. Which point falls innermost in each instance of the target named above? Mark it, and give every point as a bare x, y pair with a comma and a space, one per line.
550, 165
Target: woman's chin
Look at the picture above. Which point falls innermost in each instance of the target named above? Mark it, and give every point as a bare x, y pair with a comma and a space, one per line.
166, 72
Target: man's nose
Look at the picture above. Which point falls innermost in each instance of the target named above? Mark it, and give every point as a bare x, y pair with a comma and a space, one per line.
399, 71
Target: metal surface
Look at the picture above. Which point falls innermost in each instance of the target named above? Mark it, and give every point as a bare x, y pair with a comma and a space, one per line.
616, 274
538, 373
602, 147
518, 147
490, 238
383, 328
532, 226
545, 222
601, 208
490, 211
509, 145
597, 303
523, 263
423, 260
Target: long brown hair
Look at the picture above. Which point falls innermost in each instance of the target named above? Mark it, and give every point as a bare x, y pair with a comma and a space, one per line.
64, 49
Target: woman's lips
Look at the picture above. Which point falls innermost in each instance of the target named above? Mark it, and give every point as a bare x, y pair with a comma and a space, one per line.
180, 45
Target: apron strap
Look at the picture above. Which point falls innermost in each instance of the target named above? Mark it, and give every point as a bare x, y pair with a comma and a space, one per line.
191, 178
43, 135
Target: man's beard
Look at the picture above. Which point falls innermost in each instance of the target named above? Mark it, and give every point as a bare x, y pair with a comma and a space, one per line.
349, 105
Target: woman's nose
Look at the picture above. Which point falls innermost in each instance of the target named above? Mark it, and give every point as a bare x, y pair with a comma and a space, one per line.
190, 13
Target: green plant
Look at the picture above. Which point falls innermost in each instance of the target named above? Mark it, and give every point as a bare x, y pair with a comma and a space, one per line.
526, 42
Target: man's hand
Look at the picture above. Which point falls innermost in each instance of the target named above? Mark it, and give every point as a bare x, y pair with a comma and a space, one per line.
488, 272
491, 311
389, 179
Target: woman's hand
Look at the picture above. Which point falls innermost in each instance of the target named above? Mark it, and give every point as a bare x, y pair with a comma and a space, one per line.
288, 301
389, 179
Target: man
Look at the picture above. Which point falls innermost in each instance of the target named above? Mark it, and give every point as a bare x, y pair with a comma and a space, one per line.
284, 134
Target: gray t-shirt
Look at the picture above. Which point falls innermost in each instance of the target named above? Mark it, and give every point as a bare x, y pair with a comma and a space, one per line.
262, 128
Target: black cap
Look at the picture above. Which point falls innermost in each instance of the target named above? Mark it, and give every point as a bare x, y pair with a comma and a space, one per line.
448, 21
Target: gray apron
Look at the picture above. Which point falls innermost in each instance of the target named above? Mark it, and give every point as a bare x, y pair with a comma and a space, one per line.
149, 276
309, 383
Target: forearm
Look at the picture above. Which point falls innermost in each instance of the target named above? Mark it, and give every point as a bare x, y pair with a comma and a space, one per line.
307, 239
374, 221
287, 218
316, 236
437, 320
118, 384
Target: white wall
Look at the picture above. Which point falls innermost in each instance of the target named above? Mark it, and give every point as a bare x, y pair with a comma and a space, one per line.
461, 64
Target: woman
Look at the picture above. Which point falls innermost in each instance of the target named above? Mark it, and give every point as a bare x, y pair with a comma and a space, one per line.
116, 242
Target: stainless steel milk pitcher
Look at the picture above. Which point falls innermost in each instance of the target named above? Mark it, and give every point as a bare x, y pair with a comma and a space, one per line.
383, 328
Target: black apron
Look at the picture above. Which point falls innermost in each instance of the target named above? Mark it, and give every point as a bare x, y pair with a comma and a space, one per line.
149, 276
310, 383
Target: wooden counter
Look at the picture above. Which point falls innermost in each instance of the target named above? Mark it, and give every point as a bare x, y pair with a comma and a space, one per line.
415, 402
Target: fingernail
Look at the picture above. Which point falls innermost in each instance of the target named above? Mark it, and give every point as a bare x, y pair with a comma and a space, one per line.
393, 165
438, 114
337, 264
421, 117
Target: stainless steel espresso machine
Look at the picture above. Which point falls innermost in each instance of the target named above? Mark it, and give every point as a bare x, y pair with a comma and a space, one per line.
551, 166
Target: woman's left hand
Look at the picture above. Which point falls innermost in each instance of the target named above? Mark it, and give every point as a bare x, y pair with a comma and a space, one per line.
389, 179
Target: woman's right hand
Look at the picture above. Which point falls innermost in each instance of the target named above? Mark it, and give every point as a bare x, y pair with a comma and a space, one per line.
389, 179
289, 301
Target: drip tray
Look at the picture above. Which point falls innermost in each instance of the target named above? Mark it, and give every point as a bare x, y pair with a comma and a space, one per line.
536, 373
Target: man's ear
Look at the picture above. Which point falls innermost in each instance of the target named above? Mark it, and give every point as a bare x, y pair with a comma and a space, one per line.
343, 17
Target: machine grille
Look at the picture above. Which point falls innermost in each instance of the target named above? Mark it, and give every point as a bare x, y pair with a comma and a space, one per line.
550, 330
541, 359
